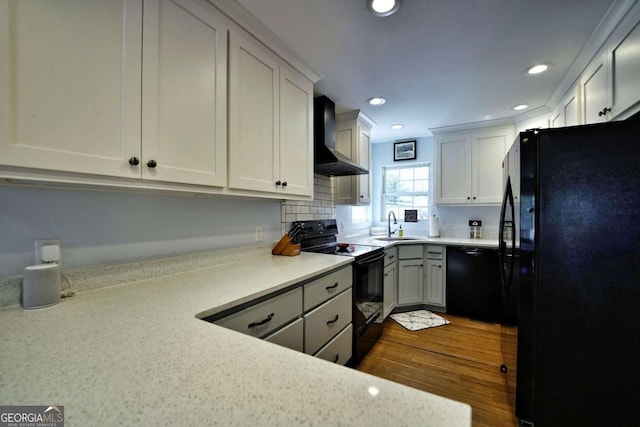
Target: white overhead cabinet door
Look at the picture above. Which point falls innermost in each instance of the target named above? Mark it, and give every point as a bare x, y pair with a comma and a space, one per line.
88, 87
270, 122
296, 132
253, 139
70, 85
184, 94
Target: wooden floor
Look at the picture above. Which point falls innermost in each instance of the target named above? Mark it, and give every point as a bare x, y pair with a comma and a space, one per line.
460, 361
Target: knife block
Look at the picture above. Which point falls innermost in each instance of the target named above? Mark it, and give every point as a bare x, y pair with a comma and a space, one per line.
285, 247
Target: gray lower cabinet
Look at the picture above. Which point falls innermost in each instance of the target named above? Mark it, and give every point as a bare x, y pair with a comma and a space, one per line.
340, 348
291, 336
326, 321
410, 274
267, 316
314, 317
435, 294
390, 280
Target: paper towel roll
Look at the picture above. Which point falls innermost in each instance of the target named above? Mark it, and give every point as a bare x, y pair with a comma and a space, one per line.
41, 285
434, 227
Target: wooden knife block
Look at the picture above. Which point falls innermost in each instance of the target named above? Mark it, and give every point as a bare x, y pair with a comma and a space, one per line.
285, 247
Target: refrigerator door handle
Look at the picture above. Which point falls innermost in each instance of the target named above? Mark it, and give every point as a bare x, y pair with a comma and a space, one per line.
502, 249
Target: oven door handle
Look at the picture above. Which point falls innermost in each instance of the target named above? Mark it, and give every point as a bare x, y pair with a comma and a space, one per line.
370, 322
366, 261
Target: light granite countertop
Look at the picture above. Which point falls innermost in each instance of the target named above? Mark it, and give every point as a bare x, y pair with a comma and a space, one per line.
418, 238
136, 354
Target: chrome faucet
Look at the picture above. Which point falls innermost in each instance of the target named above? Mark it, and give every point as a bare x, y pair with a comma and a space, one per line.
395, 221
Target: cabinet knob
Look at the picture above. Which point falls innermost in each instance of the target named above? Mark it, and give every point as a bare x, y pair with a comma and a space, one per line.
604, 111
474, 197
284, 184
468, 198
152, 164
278, 182
134, 161
362, 196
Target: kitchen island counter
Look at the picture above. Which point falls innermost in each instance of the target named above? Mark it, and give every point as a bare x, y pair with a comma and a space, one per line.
137, 354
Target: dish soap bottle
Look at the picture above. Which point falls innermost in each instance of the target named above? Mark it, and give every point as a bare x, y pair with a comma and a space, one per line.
400, 232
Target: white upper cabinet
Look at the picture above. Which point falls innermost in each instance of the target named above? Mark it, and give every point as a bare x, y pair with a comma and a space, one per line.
95, 91
253, 115
594, 89
296, 132
469, 165
624, 63
610, 85
102, 88
353, 139
184, 93
270, 122
568, 112
70, 85
453, 166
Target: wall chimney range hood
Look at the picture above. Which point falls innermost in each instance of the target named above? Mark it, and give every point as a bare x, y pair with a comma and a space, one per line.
327, 160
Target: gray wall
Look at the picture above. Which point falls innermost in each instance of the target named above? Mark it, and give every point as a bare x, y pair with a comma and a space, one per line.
101, 227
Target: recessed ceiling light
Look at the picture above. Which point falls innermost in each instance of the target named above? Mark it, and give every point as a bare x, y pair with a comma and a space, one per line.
537, 69
520, 107
383, 8
377, 101
397, 126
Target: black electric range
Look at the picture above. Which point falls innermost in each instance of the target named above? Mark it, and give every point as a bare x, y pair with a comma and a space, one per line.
320, 236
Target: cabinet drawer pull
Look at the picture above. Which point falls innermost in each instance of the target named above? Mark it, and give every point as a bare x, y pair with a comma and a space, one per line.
335, 285
336, 358
392, 256
334, 320
262, 322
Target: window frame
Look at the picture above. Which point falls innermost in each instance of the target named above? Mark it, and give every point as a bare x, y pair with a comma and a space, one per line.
384, 194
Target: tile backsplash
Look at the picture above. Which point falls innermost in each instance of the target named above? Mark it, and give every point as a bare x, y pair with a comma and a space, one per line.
321, 207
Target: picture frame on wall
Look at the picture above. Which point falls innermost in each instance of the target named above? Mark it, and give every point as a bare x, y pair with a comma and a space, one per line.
404, 150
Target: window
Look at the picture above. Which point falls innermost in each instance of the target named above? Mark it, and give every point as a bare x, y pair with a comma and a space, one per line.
406, 187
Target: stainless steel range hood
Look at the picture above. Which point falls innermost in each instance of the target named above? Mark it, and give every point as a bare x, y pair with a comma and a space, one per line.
327, 160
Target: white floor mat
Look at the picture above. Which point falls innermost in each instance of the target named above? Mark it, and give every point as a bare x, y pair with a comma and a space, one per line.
419, 319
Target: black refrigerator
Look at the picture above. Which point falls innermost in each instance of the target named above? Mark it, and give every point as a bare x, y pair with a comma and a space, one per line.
573, 198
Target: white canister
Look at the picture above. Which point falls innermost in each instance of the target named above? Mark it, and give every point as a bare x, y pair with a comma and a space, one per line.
41, 285
434, 227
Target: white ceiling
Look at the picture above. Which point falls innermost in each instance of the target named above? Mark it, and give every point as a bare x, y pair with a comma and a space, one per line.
437, 62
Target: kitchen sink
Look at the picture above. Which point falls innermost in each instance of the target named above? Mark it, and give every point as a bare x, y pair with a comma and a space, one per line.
393, 239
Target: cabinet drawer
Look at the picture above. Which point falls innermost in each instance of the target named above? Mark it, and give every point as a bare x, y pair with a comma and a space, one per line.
435, 252
390, 255
410, 251
320, 290
267, 316
339, 349
321, 324
291, 336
